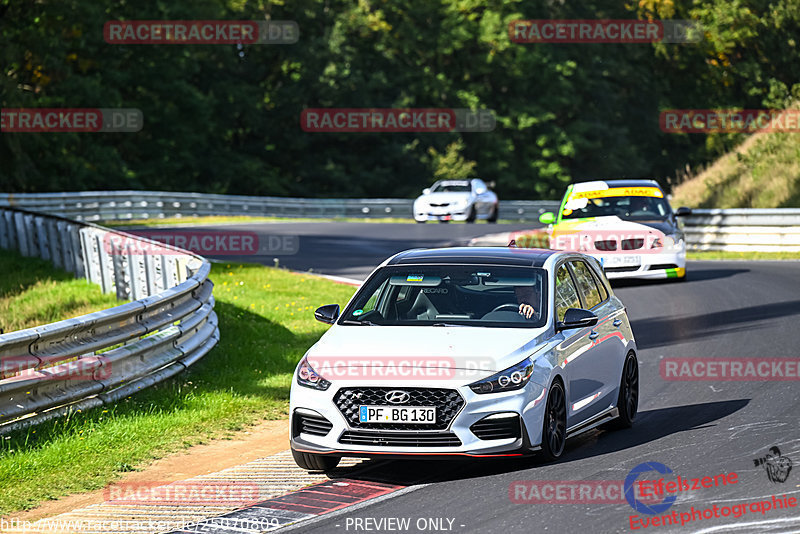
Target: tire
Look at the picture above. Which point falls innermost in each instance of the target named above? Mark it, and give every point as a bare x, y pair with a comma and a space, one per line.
628, 399
493, 217
315, 462
472, 215
420, 222
554, 428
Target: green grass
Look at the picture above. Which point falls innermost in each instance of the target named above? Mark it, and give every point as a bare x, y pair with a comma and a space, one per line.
234, 219
33, 292
762, 172
726, 255
266, 324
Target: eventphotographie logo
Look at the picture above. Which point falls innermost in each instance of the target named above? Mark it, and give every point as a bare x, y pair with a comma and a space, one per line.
775, 464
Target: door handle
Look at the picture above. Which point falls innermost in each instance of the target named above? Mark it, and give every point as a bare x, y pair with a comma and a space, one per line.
593, 335
617, 322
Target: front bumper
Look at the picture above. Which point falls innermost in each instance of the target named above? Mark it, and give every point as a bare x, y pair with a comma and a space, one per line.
431, 215
527, 403
646, 266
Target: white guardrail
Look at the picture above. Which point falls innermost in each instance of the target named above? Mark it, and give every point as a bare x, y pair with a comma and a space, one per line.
101, 357
126, 205
744, 229
706, 229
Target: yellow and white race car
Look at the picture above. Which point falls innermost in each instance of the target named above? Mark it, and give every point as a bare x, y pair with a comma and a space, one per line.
628, 225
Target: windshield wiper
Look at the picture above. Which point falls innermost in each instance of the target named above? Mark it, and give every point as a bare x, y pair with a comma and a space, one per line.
447, 324
359, 323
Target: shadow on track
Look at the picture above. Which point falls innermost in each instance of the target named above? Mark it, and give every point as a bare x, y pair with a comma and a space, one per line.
692, 275
650, 426
663, 331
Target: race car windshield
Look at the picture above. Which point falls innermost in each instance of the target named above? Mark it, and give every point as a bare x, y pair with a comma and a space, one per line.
450, 295
625, 207
451, 188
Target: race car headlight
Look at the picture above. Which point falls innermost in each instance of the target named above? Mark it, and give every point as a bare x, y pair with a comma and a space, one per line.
667, 241
515, 377
308, 377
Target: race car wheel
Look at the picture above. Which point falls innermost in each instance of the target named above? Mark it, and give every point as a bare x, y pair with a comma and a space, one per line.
472, 215
554, 434
493, 216
628, 399
315, 462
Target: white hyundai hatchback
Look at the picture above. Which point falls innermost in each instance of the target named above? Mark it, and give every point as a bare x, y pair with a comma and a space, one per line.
466, 351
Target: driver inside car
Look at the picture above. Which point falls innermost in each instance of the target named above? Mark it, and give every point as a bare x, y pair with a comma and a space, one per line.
525, 296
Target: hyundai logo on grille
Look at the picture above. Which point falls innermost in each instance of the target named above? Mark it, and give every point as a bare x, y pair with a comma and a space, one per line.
397, 396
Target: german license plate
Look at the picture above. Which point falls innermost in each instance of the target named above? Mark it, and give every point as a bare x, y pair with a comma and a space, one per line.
620, 260
397, 414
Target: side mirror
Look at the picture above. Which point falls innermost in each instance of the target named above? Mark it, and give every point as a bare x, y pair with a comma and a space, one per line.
426, 191
327, 314
576, 318
683, 211
547, 217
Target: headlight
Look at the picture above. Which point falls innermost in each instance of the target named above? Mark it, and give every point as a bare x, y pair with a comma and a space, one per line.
668, 241
515, 377
308, 377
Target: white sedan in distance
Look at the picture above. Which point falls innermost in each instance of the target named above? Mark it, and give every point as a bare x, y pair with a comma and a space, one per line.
456, 200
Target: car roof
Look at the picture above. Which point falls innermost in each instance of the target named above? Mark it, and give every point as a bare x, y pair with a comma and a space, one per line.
519, 257
626, 183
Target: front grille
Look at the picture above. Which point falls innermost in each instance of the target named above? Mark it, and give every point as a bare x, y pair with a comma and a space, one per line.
308, 423
497, 428
626, 269
659, 266
606, 245
439, 205
407, 439
632, 244
447, 402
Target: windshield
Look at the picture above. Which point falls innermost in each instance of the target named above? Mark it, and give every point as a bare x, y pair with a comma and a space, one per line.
451, 188
445, 295
624, 207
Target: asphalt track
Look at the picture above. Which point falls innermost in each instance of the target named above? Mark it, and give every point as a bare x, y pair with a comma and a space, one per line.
698, 429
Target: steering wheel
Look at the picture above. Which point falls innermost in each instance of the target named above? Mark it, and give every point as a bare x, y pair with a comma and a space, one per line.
514, 307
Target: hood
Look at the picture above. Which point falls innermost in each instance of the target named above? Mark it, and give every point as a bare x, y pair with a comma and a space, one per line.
458, 347
613, 223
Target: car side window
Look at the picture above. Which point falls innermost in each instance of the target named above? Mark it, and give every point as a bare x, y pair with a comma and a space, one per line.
601, 286
566, 296
587, 284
